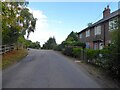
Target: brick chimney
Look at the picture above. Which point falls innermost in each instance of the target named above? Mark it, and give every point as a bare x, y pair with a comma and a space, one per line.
106, 12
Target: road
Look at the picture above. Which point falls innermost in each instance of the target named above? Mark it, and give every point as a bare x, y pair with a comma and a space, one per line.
47, 69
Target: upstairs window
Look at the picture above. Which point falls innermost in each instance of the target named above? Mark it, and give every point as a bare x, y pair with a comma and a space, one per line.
87, 33
80, 35
113, 24
97, 30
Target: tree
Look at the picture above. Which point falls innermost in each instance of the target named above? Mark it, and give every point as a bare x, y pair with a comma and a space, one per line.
17, 20
34, 45
71, 40
28, 21
115, 51
50, 44
112, 63
72, 37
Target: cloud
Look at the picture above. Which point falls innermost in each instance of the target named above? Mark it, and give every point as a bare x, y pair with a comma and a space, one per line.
41, 33
55, 21
45, 28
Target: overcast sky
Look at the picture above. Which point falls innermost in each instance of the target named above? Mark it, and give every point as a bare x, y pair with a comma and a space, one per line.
60, 18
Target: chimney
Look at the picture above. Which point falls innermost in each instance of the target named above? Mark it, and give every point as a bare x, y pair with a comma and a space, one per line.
106, 12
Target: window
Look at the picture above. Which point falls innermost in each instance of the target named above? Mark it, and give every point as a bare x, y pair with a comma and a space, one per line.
87, 33
80, 35
109, 41
100, 46
97, 30
87, 45
95, 46
113, 24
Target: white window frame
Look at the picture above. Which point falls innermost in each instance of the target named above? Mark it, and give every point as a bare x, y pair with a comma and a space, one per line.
80, 35
101, 45
112, 24
97, 30
87, 33
87, 44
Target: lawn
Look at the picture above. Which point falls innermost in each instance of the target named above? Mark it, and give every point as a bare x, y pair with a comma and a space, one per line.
13, 57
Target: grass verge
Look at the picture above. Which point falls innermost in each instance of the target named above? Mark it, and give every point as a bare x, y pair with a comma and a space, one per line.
13, 57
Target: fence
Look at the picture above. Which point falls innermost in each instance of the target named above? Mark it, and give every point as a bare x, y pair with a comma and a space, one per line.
6, 48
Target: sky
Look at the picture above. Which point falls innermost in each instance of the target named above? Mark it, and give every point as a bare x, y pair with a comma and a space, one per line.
58, 19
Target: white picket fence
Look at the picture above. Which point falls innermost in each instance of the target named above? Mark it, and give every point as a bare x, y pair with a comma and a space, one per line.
6, 48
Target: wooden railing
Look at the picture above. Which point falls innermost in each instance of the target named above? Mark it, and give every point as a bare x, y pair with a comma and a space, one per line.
6, 48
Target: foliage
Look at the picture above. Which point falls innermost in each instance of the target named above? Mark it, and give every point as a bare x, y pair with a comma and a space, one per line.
59, 47
113, 62
68, 51
110, 55
77, 52
17, 20
34, 45
50, 44
92, 54
72, 37
72, 51
72, 40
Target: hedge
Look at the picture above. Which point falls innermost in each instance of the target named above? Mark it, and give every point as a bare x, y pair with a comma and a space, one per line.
77, 52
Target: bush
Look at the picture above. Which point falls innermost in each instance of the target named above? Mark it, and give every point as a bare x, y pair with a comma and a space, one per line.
77, 52
59, 47
108, 60
92, 54
111, 62
68, 51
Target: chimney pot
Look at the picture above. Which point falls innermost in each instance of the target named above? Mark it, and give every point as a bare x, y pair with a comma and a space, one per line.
106, 12
107, 6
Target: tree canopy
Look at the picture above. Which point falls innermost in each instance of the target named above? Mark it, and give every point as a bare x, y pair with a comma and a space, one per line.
34, 45
50, 44
71, 40
16, 21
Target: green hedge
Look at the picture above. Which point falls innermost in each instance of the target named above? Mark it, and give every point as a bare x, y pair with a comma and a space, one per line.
72, 51
77, 52
68, 51
104, 58
92, 54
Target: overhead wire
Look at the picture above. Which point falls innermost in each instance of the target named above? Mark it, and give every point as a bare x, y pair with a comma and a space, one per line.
101, 13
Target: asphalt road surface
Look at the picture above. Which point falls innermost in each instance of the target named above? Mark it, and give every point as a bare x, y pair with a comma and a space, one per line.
47, 69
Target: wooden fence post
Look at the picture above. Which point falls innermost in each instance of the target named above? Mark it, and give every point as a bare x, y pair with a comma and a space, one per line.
6, 48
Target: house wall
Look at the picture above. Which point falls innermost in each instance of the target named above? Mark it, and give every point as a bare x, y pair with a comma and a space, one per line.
105, 36
104, 26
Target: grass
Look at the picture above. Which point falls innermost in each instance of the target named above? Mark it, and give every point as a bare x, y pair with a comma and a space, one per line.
13, 57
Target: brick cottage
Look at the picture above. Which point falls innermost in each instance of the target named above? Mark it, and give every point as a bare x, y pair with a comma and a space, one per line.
97, 35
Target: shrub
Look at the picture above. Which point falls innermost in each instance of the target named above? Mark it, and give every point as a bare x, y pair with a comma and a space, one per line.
59, 47
92, 54
68, 51
111, 61
77, 52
